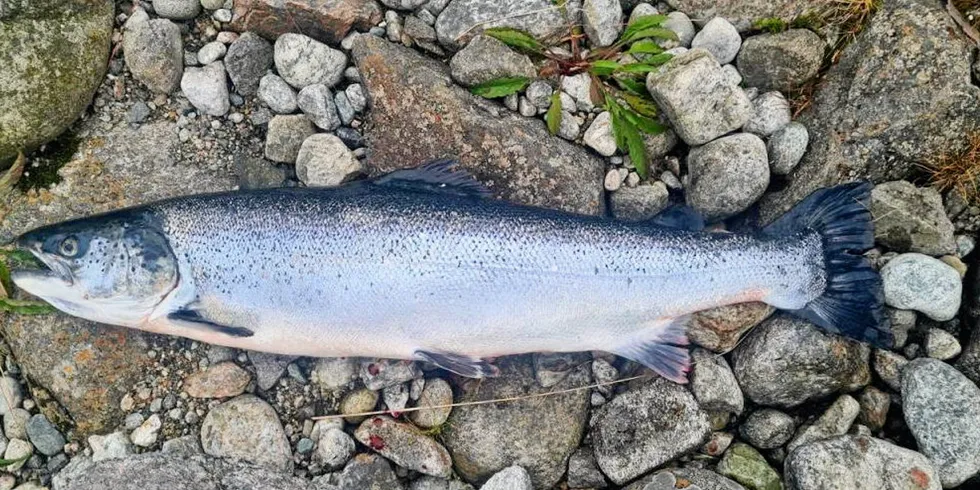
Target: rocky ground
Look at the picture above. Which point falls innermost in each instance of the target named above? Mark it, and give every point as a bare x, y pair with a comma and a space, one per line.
210, 95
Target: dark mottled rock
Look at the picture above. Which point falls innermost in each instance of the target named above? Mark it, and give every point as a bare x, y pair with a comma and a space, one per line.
889, 104
368, 472
780, 61
325, 20
719, 329
537, 434
461, 20
704, 479
645, 427
159, 470
743, 13
247, 61
53, 59
785, 362
911, 219
419, 114
858, 462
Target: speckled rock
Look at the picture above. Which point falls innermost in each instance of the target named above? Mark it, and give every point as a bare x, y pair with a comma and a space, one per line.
942, 409
713, 383
918, 282
207, 89
436, 392
327, 21
515, 155
324, 160
874, 407
462, 20
785, 362
720, 38
302, 61
248, 59
835, 421
285, 137
770, 113
781, 61
644, 427
114, 445
333, 446
639, 203
368, 472
786, 147
44, 435
698, 98
510, 478
154, 51
247, 428
52, 65
487, 438
405, 446
219, 381
485, 59
858, 462
603, 21
742, 14
719, 329
767, 428
727, 175
911, 219
745, 465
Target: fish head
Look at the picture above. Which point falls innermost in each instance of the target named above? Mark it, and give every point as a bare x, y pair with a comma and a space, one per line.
110, 269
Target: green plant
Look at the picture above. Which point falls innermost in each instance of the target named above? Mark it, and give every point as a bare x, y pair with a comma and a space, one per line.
18, 259
958, 171
772, 25
617, 73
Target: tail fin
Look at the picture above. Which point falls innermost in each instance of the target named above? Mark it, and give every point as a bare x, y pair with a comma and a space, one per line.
852, 304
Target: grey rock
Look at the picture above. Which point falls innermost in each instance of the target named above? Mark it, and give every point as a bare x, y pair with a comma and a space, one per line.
968, 363
698, 99
213, 4
639, 203
177, 9
570, 127
942, 409
44, 435
285, 137
697, 478
918, 282
551, 368
640, 10
483, 439
418, 30
188, 445
539, 94
720, 38
599, 135
403, 4
15, 423
727, 175
848, 139
395, 397
382, 373
277, 94
583, 472
713, 383
512, 102
393, 26
747, 466
786, 148
941, 344
462, 20
744, 13
114, 445
515, 156
17, 449
874, 407
206, 88
785, 362
734, 77
719, 329
333, 448
344, 108
858, 462
211, 52
324, 160
334, 372
247, 428
767, 428
580, 88
249, 58
222, 15
781, 61
302, 61
889, 367
405, 445
138, 112
510, 478
835, 421
770, 113
658, 145
645, 427
603, 21
681, 24
911, 219
146, 434
217, 381
154, 52
158, 470
258, 173
901, 322
525, 108
485, 59
357, 97
11, 395
368, 472
317, 103
436, 392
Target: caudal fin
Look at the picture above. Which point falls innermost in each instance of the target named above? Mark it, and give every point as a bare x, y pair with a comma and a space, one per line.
852, 304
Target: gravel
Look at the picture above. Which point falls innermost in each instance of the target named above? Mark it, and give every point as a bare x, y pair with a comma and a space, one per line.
485, 59
770, 113
12, 397
727, 175
285, 137
277, 94
248, 59
538, 93
874, 407
302, 61
206, 88
781, 61
918, 282
720, 38
681, 24
941, 344
333, 446
583, 472
698, 98
911, 219
17, 449
344, 108
580, 88
942, 409
147, 433
15, 423
786, 147
318, 104
356, 97
745, 465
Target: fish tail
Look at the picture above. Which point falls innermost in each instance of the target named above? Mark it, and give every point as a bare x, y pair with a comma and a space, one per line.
852, 303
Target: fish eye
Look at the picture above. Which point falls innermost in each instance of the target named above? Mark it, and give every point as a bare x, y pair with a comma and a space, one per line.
68, 247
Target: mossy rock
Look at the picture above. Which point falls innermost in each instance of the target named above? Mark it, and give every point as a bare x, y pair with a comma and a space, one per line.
53, 57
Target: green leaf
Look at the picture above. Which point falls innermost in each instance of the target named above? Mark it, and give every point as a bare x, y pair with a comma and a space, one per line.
651, 32
515, 38
25, 307
8, 462
645, 46
639, 24
643, 123
632, 85
553, 116
603, 67
637, 68
658, 59
643, 106
500, 87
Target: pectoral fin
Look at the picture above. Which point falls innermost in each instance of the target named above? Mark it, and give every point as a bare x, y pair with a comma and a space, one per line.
193, 319
470, 367
661, 347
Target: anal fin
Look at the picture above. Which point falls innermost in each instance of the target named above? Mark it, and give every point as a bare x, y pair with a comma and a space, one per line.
471, 367
194, 317
661, 347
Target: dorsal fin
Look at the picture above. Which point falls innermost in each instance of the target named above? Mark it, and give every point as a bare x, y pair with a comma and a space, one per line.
680, 217
435, 176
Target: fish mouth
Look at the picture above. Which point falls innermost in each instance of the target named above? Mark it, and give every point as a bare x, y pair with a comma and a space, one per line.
48, 268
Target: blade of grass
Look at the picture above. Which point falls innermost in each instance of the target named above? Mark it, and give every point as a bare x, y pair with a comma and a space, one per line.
553, 116
22, 307
515, 38
500, 87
